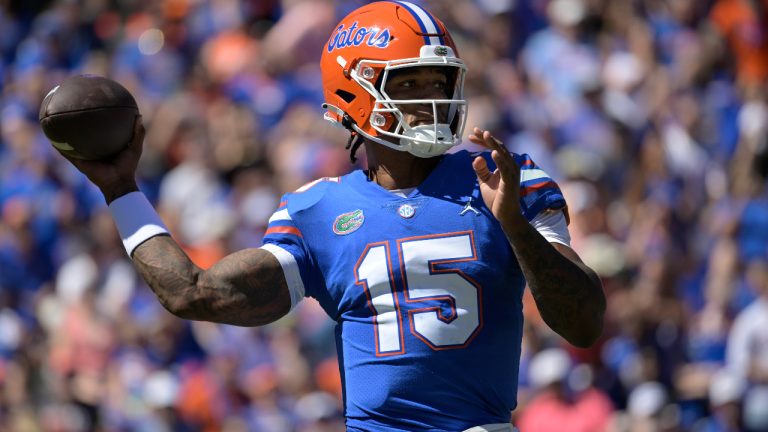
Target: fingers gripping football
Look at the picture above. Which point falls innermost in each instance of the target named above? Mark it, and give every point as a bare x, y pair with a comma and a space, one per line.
115, 176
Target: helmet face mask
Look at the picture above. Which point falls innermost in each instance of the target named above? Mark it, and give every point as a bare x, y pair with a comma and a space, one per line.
388, 115
355, 78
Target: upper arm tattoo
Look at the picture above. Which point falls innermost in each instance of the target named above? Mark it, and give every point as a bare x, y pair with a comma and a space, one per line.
245, 288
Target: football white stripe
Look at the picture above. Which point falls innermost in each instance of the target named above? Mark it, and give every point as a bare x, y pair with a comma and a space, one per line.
280, 215
53, 90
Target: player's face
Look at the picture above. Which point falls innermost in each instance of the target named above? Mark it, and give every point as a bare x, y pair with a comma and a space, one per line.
420, 83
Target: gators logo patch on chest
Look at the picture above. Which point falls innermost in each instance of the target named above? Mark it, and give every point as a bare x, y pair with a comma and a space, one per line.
347, 223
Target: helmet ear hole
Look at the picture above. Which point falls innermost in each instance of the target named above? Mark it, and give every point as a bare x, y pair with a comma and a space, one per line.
345, 95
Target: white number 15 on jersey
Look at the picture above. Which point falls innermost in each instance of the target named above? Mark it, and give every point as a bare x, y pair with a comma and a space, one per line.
422, 280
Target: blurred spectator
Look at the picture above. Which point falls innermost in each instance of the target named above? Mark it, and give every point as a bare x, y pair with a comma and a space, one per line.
558, 406
649, 408
748, 340
743, 24
726, 391
755, 415
559, 64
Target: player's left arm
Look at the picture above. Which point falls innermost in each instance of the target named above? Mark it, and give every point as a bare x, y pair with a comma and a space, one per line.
568, 294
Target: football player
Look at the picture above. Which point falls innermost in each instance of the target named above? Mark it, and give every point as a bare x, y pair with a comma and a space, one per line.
421, 259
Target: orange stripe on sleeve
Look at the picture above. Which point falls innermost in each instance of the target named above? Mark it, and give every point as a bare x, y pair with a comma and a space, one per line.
283, 230
533, 188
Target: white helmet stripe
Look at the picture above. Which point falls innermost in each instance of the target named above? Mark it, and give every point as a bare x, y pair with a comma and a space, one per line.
426, 22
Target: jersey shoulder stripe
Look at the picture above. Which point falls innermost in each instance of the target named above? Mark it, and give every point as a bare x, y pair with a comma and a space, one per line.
536, 187
280, 215
531, 174
283, 230
538, 191
283, 221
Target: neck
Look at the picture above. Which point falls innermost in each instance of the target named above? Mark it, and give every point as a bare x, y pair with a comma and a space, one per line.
393, 169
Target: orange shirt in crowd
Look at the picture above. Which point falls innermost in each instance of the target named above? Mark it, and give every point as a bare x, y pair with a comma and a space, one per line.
591, 412
747, 37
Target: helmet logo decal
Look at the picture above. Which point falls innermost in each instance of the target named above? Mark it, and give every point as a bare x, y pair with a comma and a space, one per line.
356, 36
441, 51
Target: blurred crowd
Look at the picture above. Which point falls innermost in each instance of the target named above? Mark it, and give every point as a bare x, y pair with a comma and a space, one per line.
652, 115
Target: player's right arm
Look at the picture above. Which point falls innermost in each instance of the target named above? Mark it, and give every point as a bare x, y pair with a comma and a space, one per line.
247, 288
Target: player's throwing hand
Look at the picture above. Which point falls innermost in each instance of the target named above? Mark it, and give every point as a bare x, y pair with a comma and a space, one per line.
115, 176
501, 188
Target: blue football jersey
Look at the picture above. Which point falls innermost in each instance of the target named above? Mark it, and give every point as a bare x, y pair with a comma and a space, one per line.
425, 290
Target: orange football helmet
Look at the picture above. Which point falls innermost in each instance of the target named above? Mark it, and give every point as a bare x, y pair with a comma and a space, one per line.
363, 49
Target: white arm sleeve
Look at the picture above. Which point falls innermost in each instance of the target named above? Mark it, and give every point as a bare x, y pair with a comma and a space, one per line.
290, 270
553, 227
136, 220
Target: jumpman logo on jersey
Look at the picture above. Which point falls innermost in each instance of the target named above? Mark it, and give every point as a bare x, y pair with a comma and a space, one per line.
468, 207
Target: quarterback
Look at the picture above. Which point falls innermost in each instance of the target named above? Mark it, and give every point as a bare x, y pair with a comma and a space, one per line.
421, 259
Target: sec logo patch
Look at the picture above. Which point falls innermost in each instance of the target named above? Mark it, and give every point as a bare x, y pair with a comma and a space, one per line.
406, 211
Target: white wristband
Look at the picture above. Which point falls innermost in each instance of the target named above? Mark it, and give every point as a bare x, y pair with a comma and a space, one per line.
136, 220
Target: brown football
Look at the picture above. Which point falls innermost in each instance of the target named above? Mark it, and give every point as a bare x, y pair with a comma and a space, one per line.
88, 117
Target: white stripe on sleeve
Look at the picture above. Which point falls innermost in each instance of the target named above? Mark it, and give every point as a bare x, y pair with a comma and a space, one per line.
280, 215
532, 174
290, 270
553, 227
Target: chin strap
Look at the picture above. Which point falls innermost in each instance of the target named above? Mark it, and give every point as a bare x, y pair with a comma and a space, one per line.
355, 139
354, 142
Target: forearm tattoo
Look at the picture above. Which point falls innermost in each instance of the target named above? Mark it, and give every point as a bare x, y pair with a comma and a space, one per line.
246, 288
568, 294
